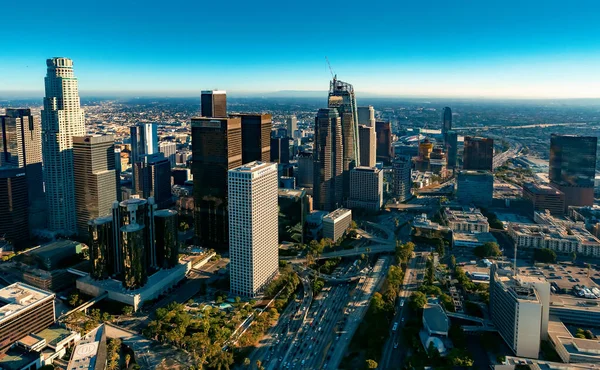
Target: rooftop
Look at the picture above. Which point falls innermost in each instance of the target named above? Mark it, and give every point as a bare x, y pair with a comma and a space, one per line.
18, 297
338, 213
253, 167
291, 193
17, 358
473, 237
436, 318
55, 334
89, 350
542, 189
470, 215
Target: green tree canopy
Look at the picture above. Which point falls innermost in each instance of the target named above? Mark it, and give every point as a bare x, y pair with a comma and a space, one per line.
544, 255
489, 249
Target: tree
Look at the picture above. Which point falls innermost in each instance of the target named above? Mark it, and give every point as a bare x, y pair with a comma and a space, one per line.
127, 360
127, 310
544, 255
573, 256
247, 362
417, 300
371, 364
222, 360
452, 262
488, 249
73, 299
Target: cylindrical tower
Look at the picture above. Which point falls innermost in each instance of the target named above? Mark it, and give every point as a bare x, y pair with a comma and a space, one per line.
167, 241
102, 247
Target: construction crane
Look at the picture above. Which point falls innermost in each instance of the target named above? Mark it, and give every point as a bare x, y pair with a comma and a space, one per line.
333, 76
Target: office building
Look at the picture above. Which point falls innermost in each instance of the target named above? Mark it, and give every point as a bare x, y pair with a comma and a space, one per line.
213, 104
103, 247
573, 167
118, 170
305, 178
294, 206
144, 141
291, 124
469, 220
519, 308
545, 197
446, 120
23, 310
478, 154
14, 202
280, 149
366, 188
153, 179
451, 144
169, 149
256, 135
366, 116
475, 187
336, 223
216, 148
21, 146
328, 160
166, 238
401, 178
368, 145
95, 192
253, 227
62, 118
342, 98
383, 132
180, 175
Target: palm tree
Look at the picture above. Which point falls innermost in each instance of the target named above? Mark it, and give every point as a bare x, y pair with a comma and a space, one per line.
127, 359
246, 362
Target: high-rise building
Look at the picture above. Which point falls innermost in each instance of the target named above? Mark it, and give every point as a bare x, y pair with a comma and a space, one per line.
402, 180
306, 170
475, 187
256, 135
103, 244
478, 154
118, 171
213, 103
153, 179
366, 188
280, 149
451, 141
21, 146
544, 197
366, 116
342, 98
216, 148
169, 149
291, 123
166, 238
253, 227
519, 308
328, 161
95, 191
383, 131
368, 145
573, 167
14, 202
144, 141
62, 118
446, 120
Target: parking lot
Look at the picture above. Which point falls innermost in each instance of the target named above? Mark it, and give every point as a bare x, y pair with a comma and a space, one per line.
565, 276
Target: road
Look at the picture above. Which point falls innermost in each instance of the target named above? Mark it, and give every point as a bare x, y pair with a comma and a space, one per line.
349, 252
393, 355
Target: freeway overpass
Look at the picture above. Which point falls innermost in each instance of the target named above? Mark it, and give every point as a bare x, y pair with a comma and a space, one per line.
347, 253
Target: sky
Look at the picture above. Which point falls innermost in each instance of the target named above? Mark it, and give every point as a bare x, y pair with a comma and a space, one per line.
460, 48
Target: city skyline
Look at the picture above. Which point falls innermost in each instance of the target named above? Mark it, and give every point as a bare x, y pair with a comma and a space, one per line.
512, 50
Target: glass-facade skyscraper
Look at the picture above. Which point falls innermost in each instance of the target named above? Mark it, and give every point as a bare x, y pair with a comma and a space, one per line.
62, 118
328, 161
478, 154
446, 120
573, 167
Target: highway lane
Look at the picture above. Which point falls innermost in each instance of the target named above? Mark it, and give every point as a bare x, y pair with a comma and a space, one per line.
378, 248
393, 353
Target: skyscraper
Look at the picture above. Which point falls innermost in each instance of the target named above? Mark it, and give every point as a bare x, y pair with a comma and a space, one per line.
478, 153
280, 149
366, 188
383, 130
256, 134
291, 123
62, 118
451, 141
253, 227
328, 161
167, 240
573, 166
144, 141
153, 179
341, 97
366, 116
368, 145
213, 103
95, 184
21, 146
305, 178
446, 120
169, 149
402, 180
14, 215
216, 148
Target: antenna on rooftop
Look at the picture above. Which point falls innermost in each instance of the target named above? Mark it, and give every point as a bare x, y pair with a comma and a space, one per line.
333, 76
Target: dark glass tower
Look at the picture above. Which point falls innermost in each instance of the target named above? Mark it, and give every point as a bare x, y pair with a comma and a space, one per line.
213, 103
383, 132
103, 244
153, 179
446, 120
256, 134
451, 140
328, 161
167, 242
478, 154
216, 148
14, 200
280, 150
573, 167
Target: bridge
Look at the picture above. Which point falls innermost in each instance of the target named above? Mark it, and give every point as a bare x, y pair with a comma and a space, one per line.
346, 253
466, 317
85, 305
477, 328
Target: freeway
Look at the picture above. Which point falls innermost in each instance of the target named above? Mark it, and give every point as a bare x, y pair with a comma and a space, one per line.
345, 253
392, 357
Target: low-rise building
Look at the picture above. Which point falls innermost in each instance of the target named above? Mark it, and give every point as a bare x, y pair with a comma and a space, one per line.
475, 187
472, 240
466, 220
336, 223
545, 197
569, 348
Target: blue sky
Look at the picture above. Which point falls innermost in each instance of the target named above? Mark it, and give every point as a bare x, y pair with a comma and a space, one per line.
524, 48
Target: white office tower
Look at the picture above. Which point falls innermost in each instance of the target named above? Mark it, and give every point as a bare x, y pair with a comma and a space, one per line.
62, 118
366, 116
292, 127
253, 228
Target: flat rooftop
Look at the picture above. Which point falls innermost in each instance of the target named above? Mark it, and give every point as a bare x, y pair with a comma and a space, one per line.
470, 215
473, 237
252, 167
88, 351
542, 189
291, 193
18, 297
17, 358
338, 213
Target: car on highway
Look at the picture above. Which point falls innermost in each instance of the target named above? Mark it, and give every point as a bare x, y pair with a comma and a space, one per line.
395, 327
402, 302
395, 345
